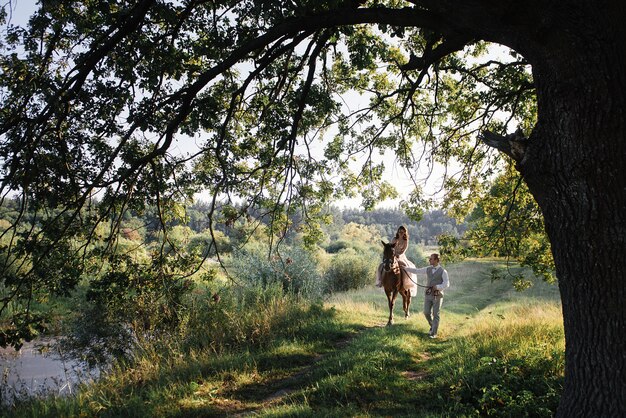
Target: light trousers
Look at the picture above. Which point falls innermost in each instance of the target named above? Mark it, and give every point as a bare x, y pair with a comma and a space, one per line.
432, 306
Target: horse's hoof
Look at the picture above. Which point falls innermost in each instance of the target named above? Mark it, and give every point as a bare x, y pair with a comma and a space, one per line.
390, 323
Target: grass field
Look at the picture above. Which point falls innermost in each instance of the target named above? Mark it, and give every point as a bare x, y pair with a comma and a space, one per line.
500, 353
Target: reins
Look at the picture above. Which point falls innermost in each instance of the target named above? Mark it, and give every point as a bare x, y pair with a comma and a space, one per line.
394, 261
429, 290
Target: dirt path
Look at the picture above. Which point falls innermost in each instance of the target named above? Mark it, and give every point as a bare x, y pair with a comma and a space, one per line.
292, 383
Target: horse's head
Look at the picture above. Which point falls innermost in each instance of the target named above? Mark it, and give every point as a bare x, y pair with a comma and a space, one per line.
388, 256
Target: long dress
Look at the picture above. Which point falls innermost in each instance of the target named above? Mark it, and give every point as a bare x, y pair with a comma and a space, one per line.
402, 245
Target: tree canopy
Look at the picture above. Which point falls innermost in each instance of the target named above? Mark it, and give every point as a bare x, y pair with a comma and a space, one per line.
98, 98
272, 107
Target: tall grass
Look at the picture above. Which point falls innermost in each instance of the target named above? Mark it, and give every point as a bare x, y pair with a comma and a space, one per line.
269, 354
218, 336
507, 360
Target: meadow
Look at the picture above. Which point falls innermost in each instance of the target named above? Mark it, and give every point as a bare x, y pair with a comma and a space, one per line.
499, 353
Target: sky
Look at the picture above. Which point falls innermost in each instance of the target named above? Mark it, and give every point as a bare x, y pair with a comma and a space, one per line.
20, 11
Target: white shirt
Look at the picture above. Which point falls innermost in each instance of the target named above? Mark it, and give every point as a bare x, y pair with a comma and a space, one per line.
444, 275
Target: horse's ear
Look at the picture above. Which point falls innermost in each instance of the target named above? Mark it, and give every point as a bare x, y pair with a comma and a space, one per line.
393, 245
383, 242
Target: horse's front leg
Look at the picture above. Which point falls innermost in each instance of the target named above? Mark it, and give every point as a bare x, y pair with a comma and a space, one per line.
391, 299
406, 295
406, 303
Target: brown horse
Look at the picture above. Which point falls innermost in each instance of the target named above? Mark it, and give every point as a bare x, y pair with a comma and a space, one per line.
394, 281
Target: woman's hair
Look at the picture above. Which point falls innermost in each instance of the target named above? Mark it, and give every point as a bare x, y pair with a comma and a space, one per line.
405, 230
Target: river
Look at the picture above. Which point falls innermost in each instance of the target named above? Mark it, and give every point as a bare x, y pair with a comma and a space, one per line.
37, 370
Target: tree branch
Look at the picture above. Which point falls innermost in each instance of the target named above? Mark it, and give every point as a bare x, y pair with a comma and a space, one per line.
433, 53
514, 145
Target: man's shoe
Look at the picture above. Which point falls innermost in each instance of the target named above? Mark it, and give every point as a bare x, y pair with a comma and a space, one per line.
432, 335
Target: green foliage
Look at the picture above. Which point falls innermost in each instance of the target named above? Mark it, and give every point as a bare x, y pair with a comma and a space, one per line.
337, 246
510, 387
32, 272
293, 269
254, 98
90, 118
249, 316
190, 83
387, 220
124, 276
263, 351
98, 98
130, 303
350, 270
205, 244
508, 223
362, 238
450, 250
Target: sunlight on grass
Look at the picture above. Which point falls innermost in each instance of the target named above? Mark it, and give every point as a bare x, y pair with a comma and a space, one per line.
287, 348
499, 352
491, 335
367, 306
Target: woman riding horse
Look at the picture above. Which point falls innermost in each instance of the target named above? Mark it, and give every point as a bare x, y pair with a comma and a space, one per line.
395, 280
400, 244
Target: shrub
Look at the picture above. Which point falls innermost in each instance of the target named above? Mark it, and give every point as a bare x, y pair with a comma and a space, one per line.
511, 387
349, 270
414, 254
129, 304
295, 269
336, 246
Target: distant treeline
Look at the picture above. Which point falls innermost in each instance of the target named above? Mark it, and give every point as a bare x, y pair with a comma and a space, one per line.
433, 224
384, 220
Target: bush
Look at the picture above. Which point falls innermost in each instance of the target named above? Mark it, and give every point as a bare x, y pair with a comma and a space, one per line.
511, 387
418, 258
348, 270
295, 269
336, 246
129, 304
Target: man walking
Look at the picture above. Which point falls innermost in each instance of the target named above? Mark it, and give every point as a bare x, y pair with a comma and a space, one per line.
437, 281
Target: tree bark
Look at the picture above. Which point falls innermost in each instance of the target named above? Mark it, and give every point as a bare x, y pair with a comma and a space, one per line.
574, 165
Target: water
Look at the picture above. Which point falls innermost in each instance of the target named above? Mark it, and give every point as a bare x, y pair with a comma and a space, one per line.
37, 370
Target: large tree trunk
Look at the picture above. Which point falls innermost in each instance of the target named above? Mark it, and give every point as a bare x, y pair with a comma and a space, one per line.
575, 166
